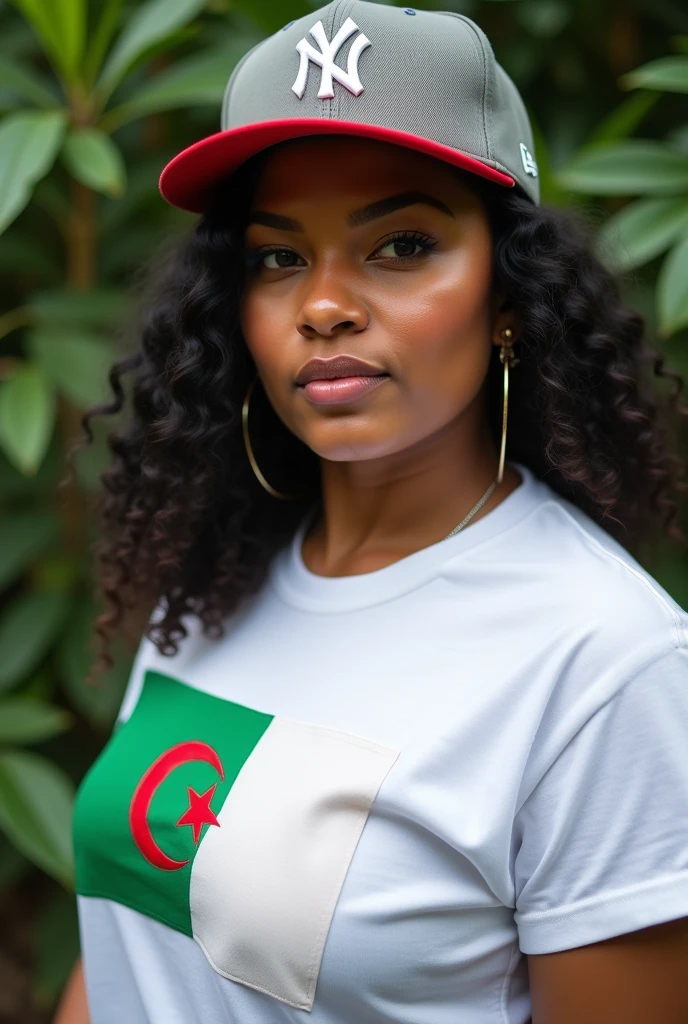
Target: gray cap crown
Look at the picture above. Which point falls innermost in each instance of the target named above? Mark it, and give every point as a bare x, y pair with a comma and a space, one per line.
430, 73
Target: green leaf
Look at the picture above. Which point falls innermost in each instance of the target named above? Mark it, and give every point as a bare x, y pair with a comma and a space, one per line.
29, 142
27, 84
77, 363
61, 27
642, 230
100, 39
99, 702
24, 536
57, 947
36, 804
195, 81
627, 168
95, 160
98, 307
150, 22
164, 47
27, 417
624, 119
672, 290
670, 74
27, 720
29, 625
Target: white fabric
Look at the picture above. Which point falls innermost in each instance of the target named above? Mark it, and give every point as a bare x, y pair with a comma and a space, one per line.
274, 867
535, 680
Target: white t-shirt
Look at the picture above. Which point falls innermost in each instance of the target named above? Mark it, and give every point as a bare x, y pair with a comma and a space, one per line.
475, 753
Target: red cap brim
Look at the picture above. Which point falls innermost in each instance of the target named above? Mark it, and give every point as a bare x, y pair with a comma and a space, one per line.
187, 179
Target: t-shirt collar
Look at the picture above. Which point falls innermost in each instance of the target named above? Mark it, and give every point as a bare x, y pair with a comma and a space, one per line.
300, 587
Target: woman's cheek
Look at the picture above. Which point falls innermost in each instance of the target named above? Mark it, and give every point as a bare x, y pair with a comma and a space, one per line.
444, 314
260, 320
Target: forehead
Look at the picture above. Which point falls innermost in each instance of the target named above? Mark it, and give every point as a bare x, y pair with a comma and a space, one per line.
344, 168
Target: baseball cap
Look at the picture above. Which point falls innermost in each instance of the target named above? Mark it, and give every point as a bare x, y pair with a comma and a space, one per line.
426, 80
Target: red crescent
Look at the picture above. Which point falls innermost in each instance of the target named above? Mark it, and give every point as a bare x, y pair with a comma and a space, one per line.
189, 750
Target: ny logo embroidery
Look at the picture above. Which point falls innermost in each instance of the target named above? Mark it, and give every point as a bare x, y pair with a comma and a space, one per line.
529, 165
325, 58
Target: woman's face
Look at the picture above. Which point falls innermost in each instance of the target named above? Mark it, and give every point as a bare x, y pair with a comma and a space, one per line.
362, 248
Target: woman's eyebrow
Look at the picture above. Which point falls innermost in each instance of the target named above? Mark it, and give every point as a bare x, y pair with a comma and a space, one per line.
392, 203
356, 218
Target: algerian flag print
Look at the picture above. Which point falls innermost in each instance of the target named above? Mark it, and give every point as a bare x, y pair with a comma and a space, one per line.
231, 825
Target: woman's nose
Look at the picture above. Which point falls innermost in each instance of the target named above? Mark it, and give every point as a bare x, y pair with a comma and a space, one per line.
330, 309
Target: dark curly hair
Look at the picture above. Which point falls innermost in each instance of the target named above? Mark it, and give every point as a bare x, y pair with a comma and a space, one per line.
183, 518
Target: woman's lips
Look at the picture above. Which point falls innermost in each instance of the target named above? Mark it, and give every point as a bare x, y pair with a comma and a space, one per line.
341, 389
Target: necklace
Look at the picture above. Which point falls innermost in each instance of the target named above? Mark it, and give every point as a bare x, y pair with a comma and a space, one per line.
478, 505
476, 508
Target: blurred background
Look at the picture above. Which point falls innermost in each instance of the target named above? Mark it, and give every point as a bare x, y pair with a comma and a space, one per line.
95, 97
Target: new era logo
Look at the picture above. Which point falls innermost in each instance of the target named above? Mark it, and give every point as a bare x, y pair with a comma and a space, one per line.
325, 58
529, 165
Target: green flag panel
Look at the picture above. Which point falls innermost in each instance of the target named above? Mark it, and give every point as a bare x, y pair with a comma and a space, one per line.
176, 757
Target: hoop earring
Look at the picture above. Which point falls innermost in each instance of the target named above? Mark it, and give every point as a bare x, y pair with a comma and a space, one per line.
507, 357
249, 451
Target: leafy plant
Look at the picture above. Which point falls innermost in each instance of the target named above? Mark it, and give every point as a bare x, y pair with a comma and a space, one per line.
657, 173
71, 117
79, 83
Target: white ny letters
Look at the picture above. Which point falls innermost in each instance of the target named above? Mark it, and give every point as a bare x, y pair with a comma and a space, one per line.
325, 58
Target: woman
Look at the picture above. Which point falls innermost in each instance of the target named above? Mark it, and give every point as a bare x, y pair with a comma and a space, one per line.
405, 737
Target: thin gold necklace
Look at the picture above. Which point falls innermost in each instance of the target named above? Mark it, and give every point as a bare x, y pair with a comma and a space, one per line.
476, 508
478, 505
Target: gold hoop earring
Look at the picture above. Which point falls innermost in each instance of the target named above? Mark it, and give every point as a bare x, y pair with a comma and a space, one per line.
507, 357
249, 451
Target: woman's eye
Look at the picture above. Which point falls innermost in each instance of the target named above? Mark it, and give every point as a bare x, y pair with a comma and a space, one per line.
402, 247
405, 247
281, 257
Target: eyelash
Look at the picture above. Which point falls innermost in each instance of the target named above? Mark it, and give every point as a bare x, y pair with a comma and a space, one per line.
425, 241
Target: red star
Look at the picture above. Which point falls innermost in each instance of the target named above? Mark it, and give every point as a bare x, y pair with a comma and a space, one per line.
199, 811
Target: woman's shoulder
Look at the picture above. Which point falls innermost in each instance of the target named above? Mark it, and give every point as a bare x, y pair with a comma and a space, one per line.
565, 577
596, 568
598, 634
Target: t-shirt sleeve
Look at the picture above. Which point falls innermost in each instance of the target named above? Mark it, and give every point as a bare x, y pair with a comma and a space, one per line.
601, 842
